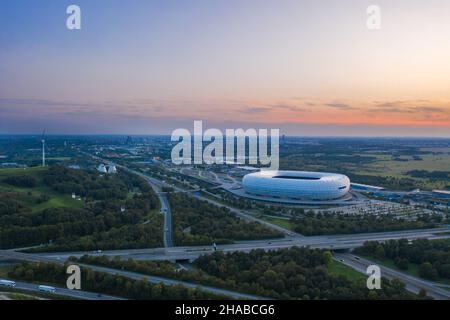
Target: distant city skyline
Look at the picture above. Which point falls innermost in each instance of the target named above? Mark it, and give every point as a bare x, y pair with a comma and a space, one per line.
309, 68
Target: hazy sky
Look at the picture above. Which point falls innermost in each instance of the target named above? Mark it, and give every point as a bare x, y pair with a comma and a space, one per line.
151, 66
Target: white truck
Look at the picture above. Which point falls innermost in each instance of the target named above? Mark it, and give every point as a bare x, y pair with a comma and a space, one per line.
7, 283
47, 289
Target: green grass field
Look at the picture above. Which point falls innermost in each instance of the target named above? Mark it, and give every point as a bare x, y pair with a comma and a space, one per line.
28, 195
385, 166
4, 269
59, 159
280, 222
338, 269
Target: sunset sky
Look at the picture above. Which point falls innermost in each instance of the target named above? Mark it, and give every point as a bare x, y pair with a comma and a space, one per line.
308, 67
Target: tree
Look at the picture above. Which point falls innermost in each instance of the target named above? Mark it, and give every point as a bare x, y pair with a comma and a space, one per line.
328, 257
422, 293
379, 252
402, 263
426, 270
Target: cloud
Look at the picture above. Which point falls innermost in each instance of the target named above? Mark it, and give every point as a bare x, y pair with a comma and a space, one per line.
288, 107
341, 106
253, 110
430, 109
270, 108
408, 107
57, 107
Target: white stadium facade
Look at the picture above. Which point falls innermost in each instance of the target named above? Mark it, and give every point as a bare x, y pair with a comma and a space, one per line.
301, 185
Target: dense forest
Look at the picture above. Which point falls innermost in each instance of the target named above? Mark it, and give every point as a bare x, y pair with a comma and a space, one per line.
335, 223
198, 222
295, 273
112, 215
106, 283
292, 273
432, 256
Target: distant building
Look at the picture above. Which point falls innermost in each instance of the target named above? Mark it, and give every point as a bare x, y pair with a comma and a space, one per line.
102, 168
112, 169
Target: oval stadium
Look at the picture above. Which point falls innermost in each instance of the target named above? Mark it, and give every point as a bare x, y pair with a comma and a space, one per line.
300, 185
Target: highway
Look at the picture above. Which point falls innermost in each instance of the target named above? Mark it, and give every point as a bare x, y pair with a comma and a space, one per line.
165, 208
413, 284
332, 242
172, 282
78, 294
12, 255
157, 186
239, 212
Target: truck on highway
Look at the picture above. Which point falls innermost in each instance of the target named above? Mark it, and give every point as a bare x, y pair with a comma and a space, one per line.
7, 283
47, 289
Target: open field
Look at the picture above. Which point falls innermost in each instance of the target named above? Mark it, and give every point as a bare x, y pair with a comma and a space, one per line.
59, 159
338, 269
387, 166
28, 195
284, 223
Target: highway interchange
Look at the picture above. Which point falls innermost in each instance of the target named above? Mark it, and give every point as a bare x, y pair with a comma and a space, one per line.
169, 252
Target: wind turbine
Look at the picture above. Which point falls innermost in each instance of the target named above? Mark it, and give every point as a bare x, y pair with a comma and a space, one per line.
43, 148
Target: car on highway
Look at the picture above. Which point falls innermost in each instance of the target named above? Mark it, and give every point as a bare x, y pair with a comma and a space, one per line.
356, 258
44, 288
7, 283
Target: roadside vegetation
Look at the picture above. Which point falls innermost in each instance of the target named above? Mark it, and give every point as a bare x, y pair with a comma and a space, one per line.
105, 283
428, 259
311, 224
295, 273
197, 222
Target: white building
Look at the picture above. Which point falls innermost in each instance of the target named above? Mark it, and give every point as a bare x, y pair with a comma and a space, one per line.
102, 168
112, 169
297, 184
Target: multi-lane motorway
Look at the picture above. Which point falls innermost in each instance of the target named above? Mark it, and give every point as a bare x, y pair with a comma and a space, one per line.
334, 242
77, 294
413, 284
171, 282
330, 242
165, 209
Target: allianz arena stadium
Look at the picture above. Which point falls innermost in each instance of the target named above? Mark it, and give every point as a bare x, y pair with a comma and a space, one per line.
300, 185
